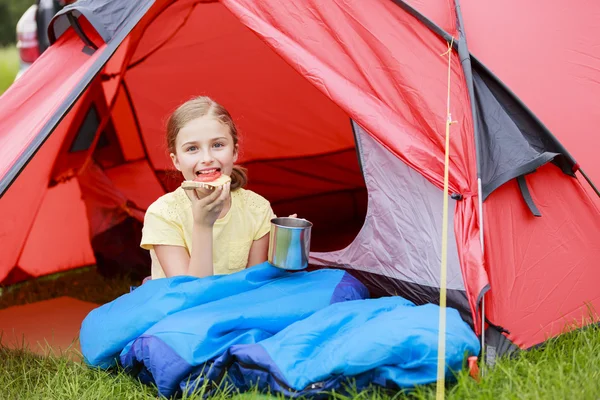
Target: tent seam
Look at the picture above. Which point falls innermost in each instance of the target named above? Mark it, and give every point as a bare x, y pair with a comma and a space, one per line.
139, 131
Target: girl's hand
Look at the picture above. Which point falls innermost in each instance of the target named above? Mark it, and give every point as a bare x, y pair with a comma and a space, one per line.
208, 204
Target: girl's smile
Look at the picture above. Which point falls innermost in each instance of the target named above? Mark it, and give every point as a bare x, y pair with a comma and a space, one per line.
204, 146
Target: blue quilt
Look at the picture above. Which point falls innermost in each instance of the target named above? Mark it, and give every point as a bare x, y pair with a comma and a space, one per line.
296, 333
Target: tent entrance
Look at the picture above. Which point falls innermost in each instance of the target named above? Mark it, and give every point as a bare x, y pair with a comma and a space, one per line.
297, 144
337, 205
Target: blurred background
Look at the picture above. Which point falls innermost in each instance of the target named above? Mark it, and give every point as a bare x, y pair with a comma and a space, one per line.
23, 37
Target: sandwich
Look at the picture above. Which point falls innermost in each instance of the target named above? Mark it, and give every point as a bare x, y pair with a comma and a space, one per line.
207, 180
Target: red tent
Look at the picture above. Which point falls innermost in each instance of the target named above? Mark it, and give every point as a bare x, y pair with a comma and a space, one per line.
342, 109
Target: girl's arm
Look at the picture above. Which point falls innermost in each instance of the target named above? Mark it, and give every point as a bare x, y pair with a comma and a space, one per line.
258, 251
206, 209
175, 260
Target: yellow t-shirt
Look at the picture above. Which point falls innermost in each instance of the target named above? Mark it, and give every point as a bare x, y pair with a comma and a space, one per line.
169, 221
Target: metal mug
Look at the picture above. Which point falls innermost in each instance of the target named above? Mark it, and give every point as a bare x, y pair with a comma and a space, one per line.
289, 243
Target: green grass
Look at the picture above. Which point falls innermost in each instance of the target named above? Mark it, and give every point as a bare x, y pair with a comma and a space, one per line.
568, 367
9, 66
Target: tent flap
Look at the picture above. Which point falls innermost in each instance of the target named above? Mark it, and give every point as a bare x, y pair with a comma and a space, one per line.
512, 142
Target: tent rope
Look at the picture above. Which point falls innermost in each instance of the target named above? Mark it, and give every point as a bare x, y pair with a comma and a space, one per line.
441, 362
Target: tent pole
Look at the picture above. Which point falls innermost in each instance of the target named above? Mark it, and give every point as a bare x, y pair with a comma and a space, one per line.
465, 60
480, 201
589, 181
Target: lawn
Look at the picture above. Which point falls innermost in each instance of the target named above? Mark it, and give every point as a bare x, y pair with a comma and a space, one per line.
567, 368
9, 66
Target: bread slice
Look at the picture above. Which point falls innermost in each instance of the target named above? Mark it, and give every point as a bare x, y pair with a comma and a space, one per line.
220, 181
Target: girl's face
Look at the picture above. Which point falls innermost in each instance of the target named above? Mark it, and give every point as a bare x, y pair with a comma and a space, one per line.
203, 145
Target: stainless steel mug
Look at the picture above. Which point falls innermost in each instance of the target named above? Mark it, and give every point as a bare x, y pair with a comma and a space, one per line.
289, 243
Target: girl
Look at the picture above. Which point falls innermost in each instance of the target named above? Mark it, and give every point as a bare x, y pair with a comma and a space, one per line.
201, 233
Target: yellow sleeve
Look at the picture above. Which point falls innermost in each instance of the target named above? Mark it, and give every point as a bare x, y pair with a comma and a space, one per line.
264, 215
160, 230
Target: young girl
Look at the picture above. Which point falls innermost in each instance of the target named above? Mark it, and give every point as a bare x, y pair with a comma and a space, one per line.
198, 232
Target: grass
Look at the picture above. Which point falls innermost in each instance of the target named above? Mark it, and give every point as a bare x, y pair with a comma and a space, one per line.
567, 367
9, 66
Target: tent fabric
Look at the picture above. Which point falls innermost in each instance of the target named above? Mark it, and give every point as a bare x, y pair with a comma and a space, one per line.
408, 95
514, 143
105, 205
125, 124
141, 191
561, 244
57, 228
313, 123
549, 69
415, 254
388, 341
115, 224
318, 35
295, 75
413, 258
20, 207
47, 327
503, 118
106, 16
48, 83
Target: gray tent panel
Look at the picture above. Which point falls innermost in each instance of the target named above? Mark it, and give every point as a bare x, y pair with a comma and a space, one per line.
510, 141
513, 143
106, 16
497, 345
398, 250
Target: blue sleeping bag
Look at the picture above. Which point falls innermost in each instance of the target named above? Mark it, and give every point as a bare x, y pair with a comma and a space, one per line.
106, 330
296, 333
181, 346
184, 343
389, 342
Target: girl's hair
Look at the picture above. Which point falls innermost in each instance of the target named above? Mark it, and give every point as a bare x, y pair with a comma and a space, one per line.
200, 107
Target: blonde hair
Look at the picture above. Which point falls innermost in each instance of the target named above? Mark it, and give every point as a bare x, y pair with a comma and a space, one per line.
200, 107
